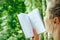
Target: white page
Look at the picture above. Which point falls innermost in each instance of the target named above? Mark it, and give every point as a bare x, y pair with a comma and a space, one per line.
26, 25
36, 21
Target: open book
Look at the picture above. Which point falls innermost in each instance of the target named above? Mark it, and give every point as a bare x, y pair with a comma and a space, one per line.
31, 21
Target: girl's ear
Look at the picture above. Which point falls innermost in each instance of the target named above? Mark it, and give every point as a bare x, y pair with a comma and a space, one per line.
56, 20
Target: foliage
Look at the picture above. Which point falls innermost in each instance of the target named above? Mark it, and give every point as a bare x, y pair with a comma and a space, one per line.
9, 25
10, 28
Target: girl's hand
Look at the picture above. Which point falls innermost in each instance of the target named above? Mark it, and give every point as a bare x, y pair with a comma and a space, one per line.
36, 36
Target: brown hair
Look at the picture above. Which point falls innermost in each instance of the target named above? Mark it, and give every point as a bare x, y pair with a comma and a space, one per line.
55, 11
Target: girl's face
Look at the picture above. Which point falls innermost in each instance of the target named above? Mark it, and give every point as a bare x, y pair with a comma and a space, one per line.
50, 26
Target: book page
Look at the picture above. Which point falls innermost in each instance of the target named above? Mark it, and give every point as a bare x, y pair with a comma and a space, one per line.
36, 21
26, 25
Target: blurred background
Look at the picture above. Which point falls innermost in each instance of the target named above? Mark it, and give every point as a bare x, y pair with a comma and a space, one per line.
10, 28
